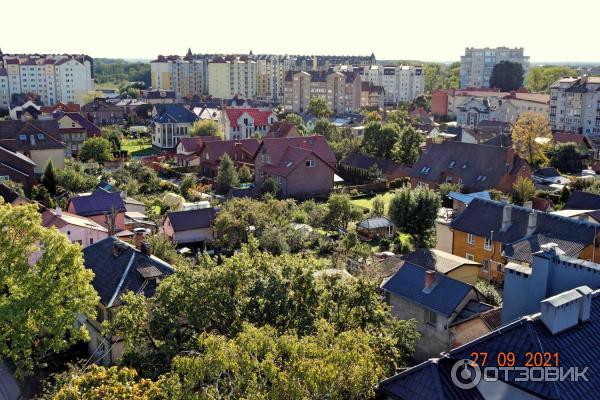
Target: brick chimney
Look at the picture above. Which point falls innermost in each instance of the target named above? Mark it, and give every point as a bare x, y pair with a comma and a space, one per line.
532, 223
429, 279
138, 237
510, 158
506, 217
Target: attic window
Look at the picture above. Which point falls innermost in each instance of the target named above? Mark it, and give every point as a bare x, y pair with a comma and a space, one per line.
425, 170
23, 138
288, 163
40, 136
465, 165
452, 164
481, 178
310, 163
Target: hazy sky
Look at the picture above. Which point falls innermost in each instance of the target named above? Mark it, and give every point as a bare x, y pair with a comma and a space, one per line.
429, 30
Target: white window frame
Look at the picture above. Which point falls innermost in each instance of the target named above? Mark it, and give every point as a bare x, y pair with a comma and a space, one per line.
487, 244
486, 265
470, 238
470, 257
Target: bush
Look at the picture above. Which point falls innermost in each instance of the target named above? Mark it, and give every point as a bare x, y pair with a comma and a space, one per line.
489, 291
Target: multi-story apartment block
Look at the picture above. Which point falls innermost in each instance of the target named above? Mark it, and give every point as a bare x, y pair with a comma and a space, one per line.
341, 90
575, 105
54, 77
270, 75
232, 76
476, 65
186, 76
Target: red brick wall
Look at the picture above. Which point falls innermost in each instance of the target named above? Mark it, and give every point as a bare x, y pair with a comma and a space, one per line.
439, 103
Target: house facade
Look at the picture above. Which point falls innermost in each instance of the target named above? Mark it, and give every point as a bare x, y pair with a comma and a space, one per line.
74, 129
191, 226
575, 105
476, 65
98, 205
245, 123
102, 112
78, 229
170, 122
241, 152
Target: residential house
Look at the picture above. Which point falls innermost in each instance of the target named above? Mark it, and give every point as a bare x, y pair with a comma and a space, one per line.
18, 168
575, 105
582, 141
376, 227
188, 149
301, 166
10, 195
549, 175
37, 140
477, 167
159, 96
135, 110
567, 328
282, 129
100, 206
59, 108
245, 123
494, 233
445, 308
371, 96
78, 229
74, 129
579, 200
361, 164
191, 226
241, 152
118, 268
102, 112
170, 123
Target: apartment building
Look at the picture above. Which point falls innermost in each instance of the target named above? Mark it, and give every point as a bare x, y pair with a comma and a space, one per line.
53, 77
575, 105
342, 90
186, 76
270, 75
232, 76
476, 65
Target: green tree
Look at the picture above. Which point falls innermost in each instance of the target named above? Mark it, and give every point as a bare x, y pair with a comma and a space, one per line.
567, 158
245, 174
327, 129
297, 121
373, 116
523, 190
507, 76
407, 148
379, 140
44, 287
74, 178
532, 137
539, 79
49, 178
205, 127
445, 188
163, 248
340, 212
97, 149
489, 291
227, 176
414, 211
318, 108
186, 184
113, 135
270, 187
378, 206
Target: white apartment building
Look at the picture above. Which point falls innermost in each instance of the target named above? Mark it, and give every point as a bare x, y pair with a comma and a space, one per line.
402, 83
55, 78
270, 76
575, 105
186, 76
232, 76
476, 65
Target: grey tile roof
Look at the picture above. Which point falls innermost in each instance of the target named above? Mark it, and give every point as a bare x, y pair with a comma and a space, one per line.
582, 201
436, 260
173, 113
115, 275
192, 219
375, 223
97, 203
445, 297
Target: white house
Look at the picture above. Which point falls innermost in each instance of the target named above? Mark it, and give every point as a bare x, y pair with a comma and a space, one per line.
78, 229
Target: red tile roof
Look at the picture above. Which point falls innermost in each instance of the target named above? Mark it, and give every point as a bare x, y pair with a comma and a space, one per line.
567, 137
282, 129
196, 143
276, 148
260, 117
216, 149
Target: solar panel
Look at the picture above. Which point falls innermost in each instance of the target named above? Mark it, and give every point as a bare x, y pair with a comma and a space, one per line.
149, 272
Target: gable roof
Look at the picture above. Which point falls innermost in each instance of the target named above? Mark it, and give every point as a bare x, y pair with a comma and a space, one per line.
97, 203
444, 298
30, 135
87, 125
260, 117
582, 201
375, 223
567, 137
196, 143
282, 129
437, 260
479, 166
114, 276
217, 148
467, 198
173, 113
192, 219
8, 194
365, 162
100, 105
276, 148
51, 218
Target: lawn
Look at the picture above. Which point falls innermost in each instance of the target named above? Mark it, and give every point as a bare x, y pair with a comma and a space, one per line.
137, 147
367, 202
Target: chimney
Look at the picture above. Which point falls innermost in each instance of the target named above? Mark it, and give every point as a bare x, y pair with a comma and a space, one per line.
123, 194
138, 237
566, 310
510, 158
506, 218
429, 280
58, 211
531, 224
118, 248
145, 248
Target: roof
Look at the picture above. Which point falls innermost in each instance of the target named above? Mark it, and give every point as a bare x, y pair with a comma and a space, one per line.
100, 105
375, 223
492, 318
217, 148
87, 125
97, 203
282, 129
158, 94
173, 113
582, 201
192, 219
51, 218
482, 217
196, 143
437, 260
30, 135
291, 149
479, 166
260, 117
466, 198
8, 194
568, 137
444, 298
114, 276
363, 161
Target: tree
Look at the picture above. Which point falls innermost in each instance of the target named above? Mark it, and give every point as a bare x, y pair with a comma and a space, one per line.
113, 135
163, 248
227, 176
379, 140
507, 76
318, 107
97, 149
340, 212
269, 186
523, 190
567, 158
373, 116
74, 178
532, 137
49, 178
414, 211
378, 205
539, 79
245, 174
297, 121
407, 149
489, 291
44, 287
205, 127
445, 188
186, 184
327, 129
421, 102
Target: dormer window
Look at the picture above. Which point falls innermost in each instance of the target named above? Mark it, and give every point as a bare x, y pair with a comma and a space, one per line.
23, 138
465, 165
425, 170
452, 164
40, 136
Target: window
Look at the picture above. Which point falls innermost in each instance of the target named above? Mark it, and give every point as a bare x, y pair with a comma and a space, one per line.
4, 178
91, 241
431, 318
469, 257
487, 245
470, 238
486, 265
310, 163
452, 164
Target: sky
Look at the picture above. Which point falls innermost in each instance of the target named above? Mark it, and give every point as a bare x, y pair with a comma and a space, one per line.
426, 30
